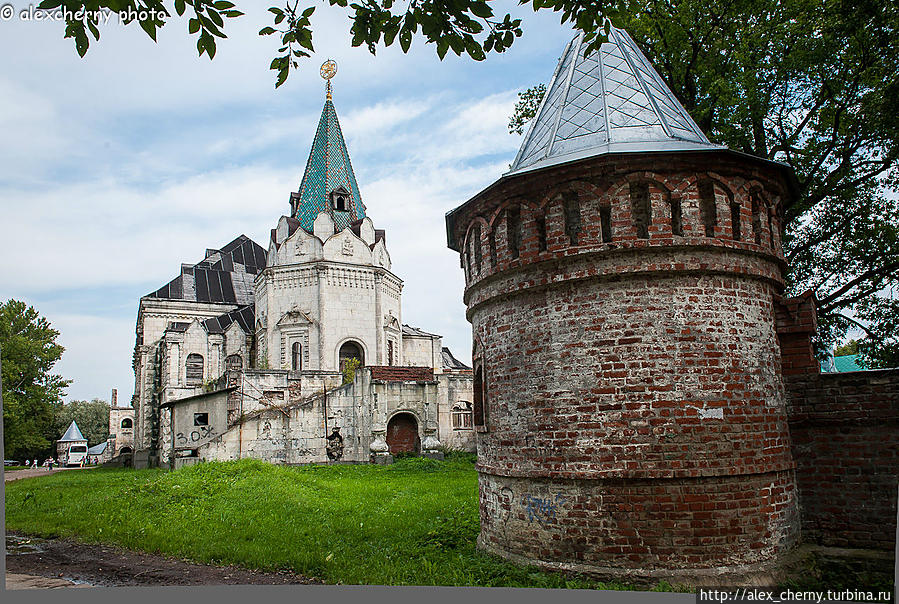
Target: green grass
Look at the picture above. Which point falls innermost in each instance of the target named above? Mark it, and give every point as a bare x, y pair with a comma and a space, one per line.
411, 523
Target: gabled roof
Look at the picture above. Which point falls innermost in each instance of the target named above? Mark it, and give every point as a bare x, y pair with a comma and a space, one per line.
450, 361
73, 434
610, 101
98, 449
328, 168
224, 276
408, 330
244, 316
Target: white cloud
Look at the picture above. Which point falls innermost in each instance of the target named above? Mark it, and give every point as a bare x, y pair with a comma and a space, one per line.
121, 166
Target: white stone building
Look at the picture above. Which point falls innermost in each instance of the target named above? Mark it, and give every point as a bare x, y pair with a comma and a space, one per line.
242, 354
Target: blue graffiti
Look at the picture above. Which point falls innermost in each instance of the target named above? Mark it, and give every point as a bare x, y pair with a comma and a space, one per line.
542, 509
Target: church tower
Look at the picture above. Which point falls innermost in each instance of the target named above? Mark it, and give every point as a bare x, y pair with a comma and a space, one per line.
621, 283
327, 293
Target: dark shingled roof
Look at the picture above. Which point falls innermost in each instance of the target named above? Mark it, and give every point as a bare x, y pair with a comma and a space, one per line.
408, 330
178, 326
224, 276
451, 362
381, 373
245, 317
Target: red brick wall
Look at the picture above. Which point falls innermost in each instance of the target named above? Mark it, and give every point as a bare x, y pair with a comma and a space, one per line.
634, 391
845, 432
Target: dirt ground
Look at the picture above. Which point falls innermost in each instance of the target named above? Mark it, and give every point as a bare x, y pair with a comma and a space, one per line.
108, 566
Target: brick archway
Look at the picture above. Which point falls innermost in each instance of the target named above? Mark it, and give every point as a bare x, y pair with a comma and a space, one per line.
402, 434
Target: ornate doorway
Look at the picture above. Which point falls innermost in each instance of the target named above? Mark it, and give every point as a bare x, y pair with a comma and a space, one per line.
402, 434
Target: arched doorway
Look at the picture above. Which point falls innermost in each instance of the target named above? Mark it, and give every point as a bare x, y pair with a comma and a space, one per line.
402, 434
350, 350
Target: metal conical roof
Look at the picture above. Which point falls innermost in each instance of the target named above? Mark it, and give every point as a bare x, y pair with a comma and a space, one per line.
610, 101
328, 168
72, 434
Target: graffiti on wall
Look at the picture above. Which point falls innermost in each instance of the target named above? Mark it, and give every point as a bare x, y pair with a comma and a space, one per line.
195, 436
542, 509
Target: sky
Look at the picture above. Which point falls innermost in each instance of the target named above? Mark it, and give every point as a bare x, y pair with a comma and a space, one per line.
117, 168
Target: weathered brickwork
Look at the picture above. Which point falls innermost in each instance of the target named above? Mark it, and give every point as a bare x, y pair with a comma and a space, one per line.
845, 430
618, 524
631, 363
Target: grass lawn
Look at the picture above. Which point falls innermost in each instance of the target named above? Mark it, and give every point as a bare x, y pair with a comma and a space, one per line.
411, 523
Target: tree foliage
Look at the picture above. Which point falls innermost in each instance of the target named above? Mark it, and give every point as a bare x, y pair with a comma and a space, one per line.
847, 349
465, 27
30, 392
349, 370
811, 83
92, 418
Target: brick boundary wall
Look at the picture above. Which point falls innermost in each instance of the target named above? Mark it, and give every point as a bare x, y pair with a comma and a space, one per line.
844, 429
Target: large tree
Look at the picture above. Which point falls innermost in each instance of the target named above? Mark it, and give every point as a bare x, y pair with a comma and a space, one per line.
811, 83
92, 418
30, 392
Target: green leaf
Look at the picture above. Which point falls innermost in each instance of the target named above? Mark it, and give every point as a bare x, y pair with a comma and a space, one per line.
150, 28
193, 26
474, 50
482, 10
223, 4
405, 39
308, 12
266, 31
442, 47
179, 7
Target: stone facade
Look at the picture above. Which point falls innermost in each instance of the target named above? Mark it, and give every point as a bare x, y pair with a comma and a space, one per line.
276, 329
267, 416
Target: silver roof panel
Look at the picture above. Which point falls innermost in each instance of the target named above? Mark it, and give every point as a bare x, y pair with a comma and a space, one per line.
611, 101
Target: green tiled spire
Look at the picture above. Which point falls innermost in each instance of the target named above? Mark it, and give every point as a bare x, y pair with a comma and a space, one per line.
327, 169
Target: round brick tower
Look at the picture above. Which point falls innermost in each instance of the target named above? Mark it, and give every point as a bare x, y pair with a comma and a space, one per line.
621, 282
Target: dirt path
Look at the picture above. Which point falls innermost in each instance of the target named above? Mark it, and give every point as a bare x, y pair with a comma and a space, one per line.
108, 566
9, 475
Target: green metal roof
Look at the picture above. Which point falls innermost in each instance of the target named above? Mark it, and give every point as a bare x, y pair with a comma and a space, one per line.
327, 169
848, 362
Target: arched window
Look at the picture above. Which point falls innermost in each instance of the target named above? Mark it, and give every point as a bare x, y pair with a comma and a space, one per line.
540, 223
234, 362
350, 350
641, 208
513, 230
735, 220
479, 398
296, 356
572, 210
677, 227
462, 416
756, 217
605, 220
476, 246
391, 359
707, 208
491, 242
127, 423
194, 373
